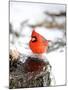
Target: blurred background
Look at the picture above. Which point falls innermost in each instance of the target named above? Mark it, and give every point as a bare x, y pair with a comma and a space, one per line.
47, 19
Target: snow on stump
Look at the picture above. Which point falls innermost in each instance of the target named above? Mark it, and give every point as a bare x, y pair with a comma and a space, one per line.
33, 72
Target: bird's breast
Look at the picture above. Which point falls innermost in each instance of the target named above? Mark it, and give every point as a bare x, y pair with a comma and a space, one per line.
37, 47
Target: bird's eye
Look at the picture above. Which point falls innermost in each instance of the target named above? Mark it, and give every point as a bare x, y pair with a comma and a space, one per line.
33, 39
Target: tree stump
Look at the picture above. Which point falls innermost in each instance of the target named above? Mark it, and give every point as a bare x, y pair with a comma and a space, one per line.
23, 75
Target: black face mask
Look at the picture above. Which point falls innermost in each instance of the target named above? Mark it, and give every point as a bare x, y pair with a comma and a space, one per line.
34, 39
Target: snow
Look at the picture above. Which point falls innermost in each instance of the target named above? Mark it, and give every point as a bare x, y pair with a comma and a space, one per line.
60, 20
50, 34
31, 11
34, 13
57, 60
26, 31
22, 46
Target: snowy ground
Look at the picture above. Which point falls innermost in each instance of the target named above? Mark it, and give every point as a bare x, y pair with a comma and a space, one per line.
33, 12
57, 60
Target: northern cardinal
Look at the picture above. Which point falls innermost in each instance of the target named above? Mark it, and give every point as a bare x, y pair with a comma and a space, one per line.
38, 44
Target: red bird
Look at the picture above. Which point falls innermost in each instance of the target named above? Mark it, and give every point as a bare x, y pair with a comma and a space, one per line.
38, 44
